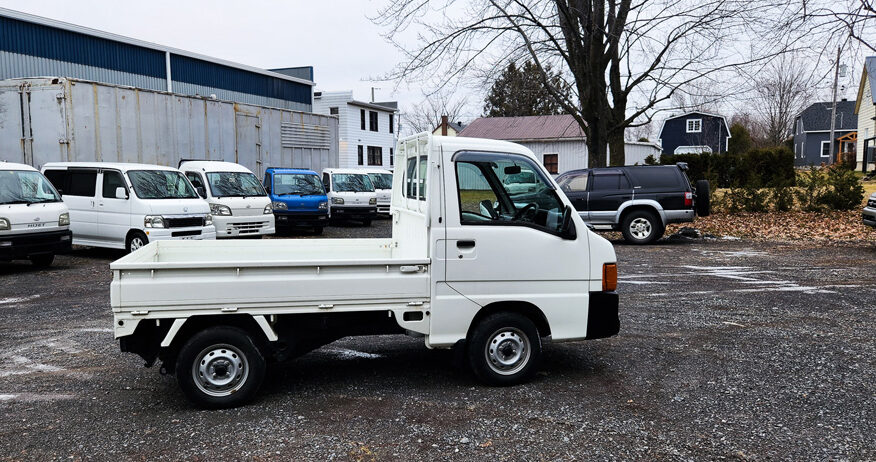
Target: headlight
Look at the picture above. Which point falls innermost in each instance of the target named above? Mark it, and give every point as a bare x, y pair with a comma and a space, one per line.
337, 200
208, 220
323, 205
279, 206
4, 224
153, 221
372, 201
219, 209
64, 219
268, 210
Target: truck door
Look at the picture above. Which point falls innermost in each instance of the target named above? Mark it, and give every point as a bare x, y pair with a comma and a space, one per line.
609, 188
113, 213
78, 187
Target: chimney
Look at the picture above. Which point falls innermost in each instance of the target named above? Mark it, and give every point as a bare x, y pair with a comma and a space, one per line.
444, 125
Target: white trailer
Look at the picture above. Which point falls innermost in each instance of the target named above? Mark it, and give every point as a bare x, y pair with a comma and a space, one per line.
56, 119
476, 267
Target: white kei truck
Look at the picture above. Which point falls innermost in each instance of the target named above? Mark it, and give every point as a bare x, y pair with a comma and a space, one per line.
468, 266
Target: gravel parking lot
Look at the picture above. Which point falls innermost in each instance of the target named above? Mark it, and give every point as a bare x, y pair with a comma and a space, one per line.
727, 350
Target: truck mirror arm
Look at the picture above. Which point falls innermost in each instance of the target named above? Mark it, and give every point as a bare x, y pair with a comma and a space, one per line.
567, 228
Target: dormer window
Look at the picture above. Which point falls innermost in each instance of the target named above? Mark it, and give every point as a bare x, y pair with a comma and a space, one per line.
694, 125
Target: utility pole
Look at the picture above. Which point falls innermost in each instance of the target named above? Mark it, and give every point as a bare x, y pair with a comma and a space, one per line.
833, 108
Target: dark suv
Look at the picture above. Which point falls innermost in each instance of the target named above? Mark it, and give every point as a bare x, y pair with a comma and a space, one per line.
639, 201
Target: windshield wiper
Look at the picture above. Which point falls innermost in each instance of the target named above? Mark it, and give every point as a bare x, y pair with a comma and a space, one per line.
15, 202
43, 201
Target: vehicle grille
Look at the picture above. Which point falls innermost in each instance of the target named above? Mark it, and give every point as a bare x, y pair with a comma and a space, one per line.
185, 233
184, 222
871, 203
252, 227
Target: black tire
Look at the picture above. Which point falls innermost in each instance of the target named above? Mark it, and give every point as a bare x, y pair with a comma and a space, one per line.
704, 203
42, 260
512, 333
136, 240
224, 351
366, 222
317, 231
648, 227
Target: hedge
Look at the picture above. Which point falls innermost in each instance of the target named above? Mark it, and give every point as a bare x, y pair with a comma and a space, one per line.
757, 168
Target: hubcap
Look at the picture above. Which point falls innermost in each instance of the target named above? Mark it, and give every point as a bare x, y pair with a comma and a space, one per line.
640, 228
220, 370
508, 351
136, 243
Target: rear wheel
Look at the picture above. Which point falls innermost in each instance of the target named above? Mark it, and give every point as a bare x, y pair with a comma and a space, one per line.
504, 349
42, 261
136, 240
641, 227
366, 222
220, 368
317, 230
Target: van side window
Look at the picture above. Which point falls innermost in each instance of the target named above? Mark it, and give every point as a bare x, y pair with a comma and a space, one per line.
112, 180
81, 183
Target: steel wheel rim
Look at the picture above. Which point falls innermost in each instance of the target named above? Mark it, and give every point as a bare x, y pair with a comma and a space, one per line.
508, 351
640, 228
136, 243
220, 370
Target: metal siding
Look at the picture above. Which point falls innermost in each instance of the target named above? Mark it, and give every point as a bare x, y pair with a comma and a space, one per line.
15, 65
11, 148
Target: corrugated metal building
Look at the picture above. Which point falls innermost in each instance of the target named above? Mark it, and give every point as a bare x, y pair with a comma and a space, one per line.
557, 140
33, 46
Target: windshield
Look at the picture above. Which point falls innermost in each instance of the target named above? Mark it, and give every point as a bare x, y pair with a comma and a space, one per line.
352, 182
25, 187
161, 184
234, 184
301, 184
381, 180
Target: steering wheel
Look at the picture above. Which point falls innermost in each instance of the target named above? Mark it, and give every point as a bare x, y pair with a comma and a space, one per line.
520, 213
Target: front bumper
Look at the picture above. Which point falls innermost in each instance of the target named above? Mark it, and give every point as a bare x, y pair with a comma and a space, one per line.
869, 216
383, 208
302, 219
353, 213
232, 226
21, 246
196, 233
602, 315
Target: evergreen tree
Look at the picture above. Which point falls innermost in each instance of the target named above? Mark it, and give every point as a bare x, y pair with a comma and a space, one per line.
520, 92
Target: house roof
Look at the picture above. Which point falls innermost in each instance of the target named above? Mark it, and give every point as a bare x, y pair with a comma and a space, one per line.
524, 128
663, 125
375, 106
817, 116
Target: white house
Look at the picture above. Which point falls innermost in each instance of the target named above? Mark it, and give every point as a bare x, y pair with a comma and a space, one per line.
557, 140
865, 108
367, 132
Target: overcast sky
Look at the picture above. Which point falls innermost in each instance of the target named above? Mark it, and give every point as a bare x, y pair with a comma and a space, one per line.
335, 37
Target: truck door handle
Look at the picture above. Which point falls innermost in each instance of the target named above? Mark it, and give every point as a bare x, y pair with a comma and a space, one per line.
410, 268
465, 244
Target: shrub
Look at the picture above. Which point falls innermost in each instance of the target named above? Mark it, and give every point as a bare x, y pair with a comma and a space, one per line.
760, 167
746, 199
843, 189
811, 183
651, 160
782, 198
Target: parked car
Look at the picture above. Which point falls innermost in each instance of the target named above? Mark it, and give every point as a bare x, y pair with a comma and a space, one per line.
350, 194
34, 222
126, 206
638, 201
298, 198
238, 202
869, 215
523, 182
382, 181
492, 285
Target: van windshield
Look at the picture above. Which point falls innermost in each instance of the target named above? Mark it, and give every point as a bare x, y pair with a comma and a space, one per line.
381, 180
25, 187
352, 182
161, 184
234, 184
301, 184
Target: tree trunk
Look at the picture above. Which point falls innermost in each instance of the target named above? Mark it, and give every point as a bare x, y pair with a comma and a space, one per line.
616, 147
596, 143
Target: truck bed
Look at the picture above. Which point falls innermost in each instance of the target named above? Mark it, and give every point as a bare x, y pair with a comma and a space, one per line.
185, 278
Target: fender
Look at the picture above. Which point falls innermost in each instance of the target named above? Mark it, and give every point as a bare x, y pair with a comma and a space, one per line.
647, 202
259, 319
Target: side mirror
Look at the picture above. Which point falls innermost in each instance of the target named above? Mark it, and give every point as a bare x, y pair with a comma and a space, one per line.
121, 193
201, 192
567, 227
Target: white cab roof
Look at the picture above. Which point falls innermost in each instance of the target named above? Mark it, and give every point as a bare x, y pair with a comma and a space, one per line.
332, 171
213, 166
376, 170
14, 166
123, 166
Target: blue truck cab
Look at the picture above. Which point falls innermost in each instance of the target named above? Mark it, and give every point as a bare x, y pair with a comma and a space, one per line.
297, 197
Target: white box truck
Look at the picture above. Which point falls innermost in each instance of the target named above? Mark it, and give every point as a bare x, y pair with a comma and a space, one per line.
468, 265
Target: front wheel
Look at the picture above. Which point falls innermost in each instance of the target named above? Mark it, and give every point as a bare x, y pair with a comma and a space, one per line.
42, 261
136, 240
366, 222
220, 368
504, 349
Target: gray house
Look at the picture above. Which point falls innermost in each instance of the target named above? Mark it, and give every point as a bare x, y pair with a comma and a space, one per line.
812, 133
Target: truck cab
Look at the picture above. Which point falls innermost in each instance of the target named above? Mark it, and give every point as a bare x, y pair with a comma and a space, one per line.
351, 195
382, 181
470, 265
298, 198
238, 202
34, 222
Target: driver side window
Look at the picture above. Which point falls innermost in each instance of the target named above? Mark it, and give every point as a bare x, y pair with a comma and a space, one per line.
498, 190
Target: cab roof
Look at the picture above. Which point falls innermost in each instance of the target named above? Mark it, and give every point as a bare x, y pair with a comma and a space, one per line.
213, 166
290, 170
122, 166
13, 166
358, 171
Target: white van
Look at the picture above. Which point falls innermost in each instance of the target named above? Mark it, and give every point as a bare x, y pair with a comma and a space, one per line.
126, 206
382, 181
350, 194
34, 222
238, 201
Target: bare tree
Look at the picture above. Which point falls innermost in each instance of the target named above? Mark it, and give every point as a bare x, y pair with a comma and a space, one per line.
701, 96
426, 115
783, 90
835, 22
621, 58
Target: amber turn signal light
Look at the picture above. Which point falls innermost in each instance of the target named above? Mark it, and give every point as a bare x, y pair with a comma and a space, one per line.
609, 277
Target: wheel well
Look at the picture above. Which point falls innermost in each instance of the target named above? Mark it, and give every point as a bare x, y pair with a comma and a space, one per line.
634, 208
132, 232
196, 324
522, 308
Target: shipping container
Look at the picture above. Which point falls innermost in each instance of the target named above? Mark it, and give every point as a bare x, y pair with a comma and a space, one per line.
56, 119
